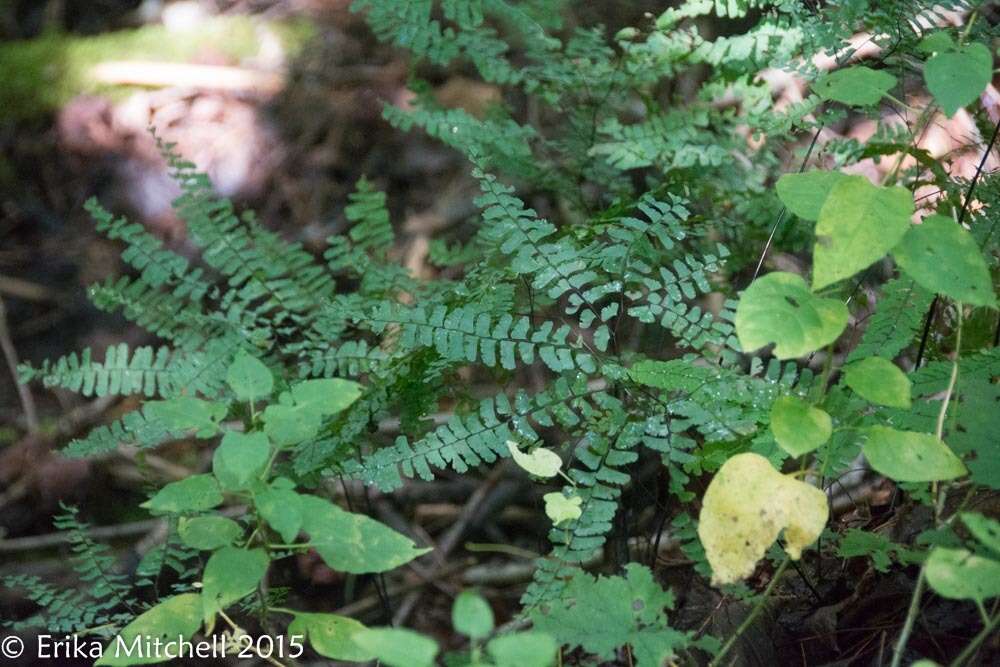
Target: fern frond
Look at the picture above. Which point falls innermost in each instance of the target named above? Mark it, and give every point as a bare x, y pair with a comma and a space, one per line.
901, 308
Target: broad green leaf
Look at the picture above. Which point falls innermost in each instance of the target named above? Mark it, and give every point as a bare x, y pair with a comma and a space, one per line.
959, 574
240, 458
805, 193
779, 308
936, 41
249, 378
397, 647
880, 381
353, 542
747, 504
230, 575
196, 493
540, 462
798, 427
943, 257
984, 529
326, 396
282, 511
471, 615
186, 412
290, 424
559, 508
523, 649
299, 412
331, 636
856, 86
173, 618
605, 613
208, 532
957, 77
858, 224
905, 456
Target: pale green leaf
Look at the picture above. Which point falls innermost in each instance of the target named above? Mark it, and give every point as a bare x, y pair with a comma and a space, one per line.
523, 649
397, 647
325, 396
559, 508
957, 77
855, 86
880, 381
799, 427
230, 575
174, 618
938, 40
240, 459
331, 636
186, 412
944, 258
540, 462
805, 193
779, 308
959, 574
353, 542
858, 224
196, 493
747, 504
249, 378
299, 413
471, 615
281, 509
208, 532
984, 529
905, 456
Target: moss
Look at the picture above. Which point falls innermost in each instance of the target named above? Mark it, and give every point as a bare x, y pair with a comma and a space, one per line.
41, 74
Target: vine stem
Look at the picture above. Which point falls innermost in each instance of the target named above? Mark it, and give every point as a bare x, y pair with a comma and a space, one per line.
911, 618
973, 646
754, 613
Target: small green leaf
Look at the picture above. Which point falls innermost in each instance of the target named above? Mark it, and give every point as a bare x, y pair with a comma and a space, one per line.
298, 415
331, 636
943, 257
880, 381
353, 542
779, 308
196, 493
746, 505
397, 647
540, 462
936, 41
957, 77
240, 458
958, 574
559, 508
858, 224
798, 427
327, 396
186, 412
471, 615
173, 618
984, 529
208, 532
249, 378
855, 86
805, 193
523, 649
230, 575
282, 510
905, 456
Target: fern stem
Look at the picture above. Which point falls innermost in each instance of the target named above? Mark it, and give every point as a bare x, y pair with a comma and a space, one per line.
911, 617
752, 616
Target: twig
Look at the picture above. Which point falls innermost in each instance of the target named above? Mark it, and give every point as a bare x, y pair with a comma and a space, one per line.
911, 617
754, 613
27, 402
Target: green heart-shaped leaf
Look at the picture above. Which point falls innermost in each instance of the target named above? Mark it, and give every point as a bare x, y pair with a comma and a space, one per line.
798, 427
957, 77
905, 456
880, 381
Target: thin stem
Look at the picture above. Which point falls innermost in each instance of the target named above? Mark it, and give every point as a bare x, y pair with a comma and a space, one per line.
754, 613
911, 617
973, 646
939, 494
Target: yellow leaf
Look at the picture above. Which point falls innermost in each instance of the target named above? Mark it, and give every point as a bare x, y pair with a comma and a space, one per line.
559, 508
746, 506
540, 463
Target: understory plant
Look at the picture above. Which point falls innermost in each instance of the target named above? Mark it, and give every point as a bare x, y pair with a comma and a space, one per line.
633, 312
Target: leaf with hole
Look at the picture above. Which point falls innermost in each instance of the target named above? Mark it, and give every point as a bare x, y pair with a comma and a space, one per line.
959, 574
880, 381
858, 224
905, 456
747, 504
799, 427
958, 76
943, 257
779, 308
855, 86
